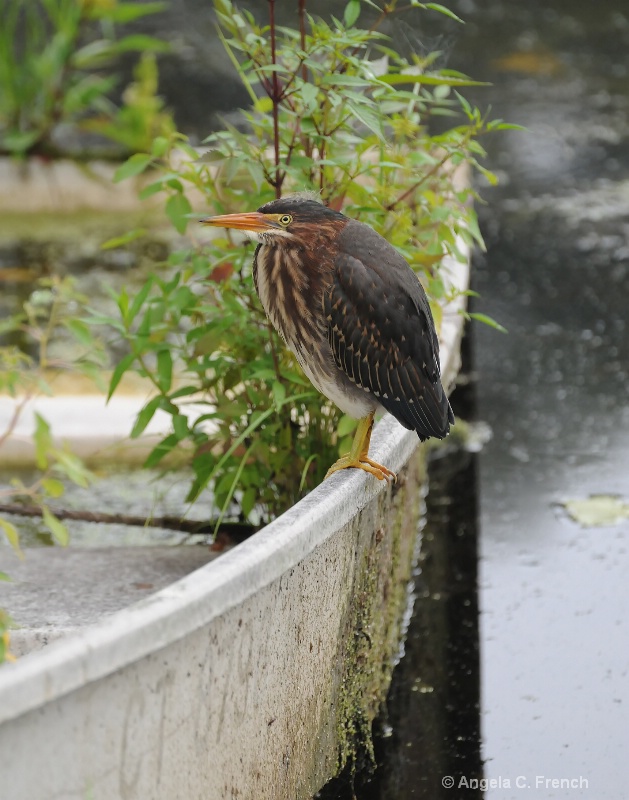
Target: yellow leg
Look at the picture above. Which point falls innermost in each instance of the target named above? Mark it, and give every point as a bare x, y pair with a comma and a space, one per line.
358, 455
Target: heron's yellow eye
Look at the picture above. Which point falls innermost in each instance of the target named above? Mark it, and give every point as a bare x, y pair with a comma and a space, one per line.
285, 219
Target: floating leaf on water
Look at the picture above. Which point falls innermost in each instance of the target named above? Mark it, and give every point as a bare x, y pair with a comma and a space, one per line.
530, 63
598, 510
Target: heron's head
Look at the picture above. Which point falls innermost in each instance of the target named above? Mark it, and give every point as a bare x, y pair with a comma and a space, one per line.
295, 219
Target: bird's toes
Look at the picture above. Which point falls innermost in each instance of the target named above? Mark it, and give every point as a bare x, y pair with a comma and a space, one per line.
365, 463
379, 470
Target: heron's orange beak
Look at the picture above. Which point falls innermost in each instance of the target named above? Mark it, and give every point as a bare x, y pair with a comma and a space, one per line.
253, 221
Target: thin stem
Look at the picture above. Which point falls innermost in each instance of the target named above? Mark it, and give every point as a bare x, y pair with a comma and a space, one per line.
275, 98
46, 334
302, 36
17, 412
293, 141
238, 530
432, 171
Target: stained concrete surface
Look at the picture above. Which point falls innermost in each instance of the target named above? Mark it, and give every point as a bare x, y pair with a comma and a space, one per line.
54, 592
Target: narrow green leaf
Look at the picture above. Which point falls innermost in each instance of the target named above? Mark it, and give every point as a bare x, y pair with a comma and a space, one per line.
180, 426
13, 537
164, 370
80, 330
123, 303
509, 126
4, 577
73, 467
304, 472
121, 367
487, 321
431, 80
139, 299
159, 147
59, 531
231, 490
351, 13
368, 117
151, 189
464, 103
145, 416
141, 42
278, 390
248, 501
53, 487
443, 10
133, 166
162, 449
43, 442
309, 95
177, 206
263, 105
119, 241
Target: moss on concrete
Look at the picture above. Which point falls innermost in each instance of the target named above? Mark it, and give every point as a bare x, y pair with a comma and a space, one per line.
376, 611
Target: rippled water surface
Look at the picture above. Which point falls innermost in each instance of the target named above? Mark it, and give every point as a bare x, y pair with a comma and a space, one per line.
553, 595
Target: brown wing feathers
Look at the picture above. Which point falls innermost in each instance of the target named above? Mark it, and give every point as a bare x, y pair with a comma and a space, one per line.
383, 339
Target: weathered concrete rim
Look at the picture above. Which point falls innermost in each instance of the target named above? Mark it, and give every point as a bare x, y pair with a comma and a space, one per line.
188, 604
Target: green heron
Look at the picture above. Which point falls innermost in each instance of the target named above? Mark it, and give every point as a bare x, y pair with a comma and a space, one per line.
354, 314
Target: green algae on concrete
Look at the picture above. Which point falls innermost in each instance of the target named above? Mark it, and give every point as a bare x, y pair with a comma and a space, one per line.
385, 543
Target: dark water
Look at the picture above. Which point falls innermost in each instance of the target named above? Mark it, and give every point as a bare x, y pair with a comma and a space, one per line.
431, 730
553, 595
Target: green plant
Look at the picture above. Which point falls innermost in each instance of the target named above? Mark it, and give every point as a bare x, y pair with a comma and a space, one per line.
49, 313
334, 110
50, 310
53, 55
5, 626
142, 116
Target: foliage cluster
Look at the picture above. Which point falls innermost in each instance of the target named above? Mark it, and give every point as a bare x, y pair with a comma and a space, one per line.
50, 311
335, 110
49, 314
56, 61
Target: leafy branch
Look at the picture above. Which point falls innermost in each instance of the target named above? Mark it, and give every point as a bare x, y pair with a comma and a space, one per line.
335, 110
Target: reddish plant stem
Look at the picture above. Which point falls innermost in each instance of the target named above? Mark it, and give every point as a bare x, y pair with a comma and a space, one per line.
275, 99
302, 36
432, 171
15, 416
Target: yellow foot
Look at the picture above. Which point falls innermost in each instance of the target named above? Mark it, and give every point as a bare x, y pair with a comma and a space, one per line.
362, 462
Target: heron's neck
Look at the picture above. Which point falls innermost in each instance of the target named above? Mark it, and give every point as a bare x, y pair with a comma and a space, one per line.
289, 289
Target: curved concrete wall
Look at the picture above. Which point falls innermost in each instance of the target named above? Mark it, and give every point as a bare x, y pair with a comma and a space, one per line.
250, 678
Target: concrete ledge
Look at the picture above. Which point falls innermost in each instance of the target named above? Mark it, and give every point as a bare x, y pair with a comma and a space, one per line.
252, 677
103, 580
243, 678
37, 186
